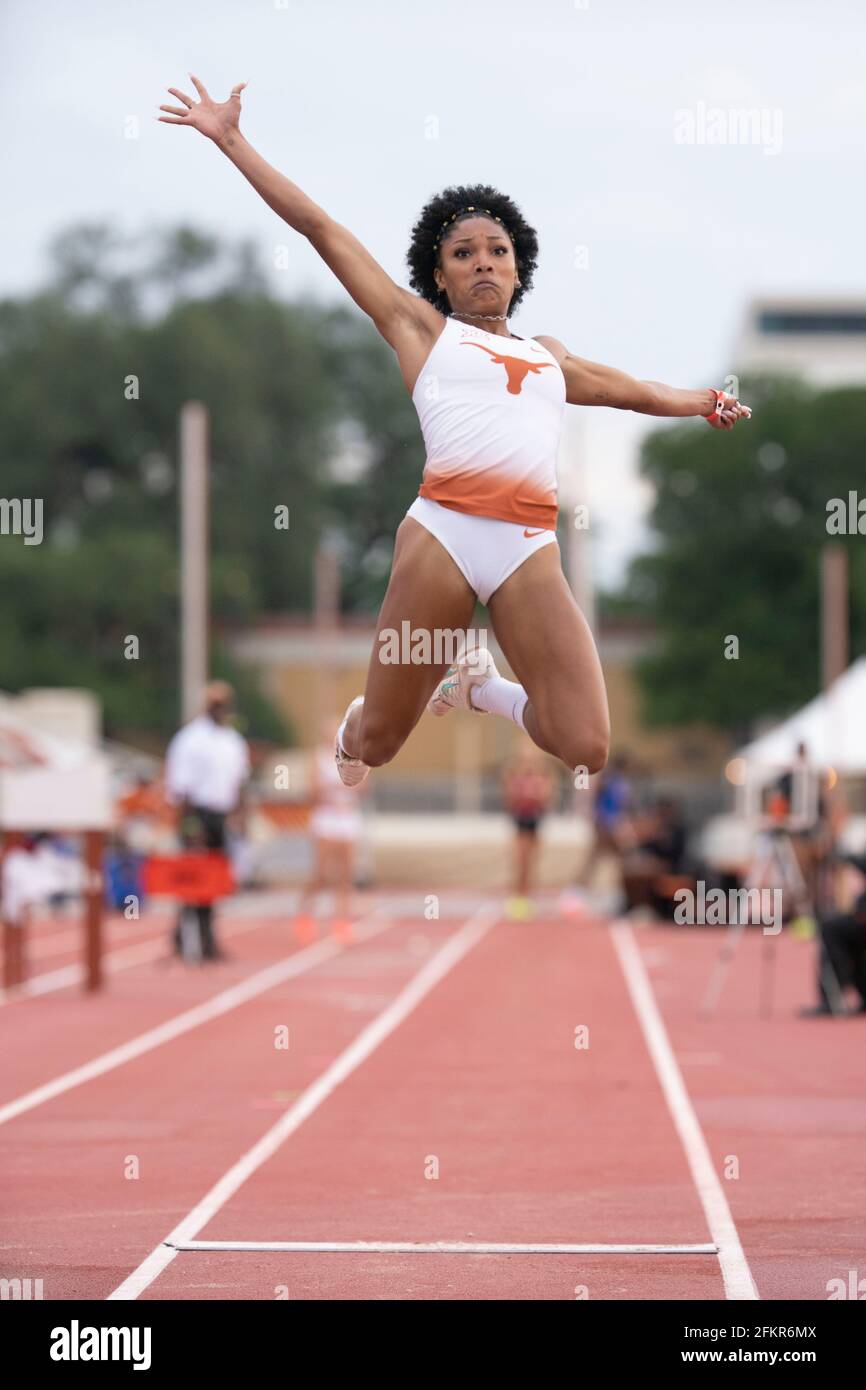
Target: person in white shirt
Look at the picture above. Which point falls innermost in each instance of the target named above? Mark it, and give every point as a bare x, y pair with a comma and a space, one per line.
207, 767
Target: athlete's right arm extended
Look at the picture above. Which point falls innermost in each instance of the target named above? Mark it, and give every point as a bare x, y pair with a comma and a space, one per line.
372, 289
368, 283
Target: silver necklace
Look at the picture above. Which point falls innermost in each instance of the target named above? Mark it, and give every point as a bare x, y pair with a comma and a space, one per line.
500, 317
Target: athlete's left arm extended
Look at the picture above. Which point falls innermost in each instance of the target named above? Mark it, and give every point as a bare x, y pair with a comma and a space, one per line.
591, 383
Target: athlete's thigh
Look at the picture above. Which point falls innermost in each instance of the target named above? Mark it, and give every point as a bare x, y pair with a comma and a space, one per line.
315, 876
548, 643
344, 860
330, 861
427, 591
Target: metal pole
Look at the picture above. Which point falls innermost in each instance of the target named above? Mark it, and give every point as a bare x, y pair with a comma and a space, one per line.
834, 658
193, 555
14, 933
94, 844
834, 612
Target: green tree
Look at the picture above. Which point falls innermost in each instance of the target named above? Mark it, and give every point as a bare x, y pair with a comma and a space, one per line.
740, 520
94, 368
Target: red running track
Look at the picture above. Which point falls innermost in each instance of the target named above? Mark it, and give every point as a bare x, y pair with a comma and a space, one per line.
474, 1118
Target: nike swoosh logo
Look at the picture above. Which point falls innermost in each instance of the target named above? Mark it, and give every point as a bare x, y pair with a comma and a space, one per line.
530, 534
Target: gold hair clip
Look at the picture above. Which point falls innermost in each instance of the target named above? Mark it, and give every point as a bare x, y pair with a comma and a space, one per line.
457, 213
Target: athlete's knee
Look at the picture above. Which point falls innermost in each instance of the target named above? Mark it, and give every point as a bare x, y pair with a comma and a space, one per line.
378, 745
597, 751
585, 749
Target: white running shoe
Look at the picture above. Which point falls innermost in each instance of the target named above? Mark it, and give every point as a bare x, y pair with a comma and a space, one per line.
454, 691
352, 771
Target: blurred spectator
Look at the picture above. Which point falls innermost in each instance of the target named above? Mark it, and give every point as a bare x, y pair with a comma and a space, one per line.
27, 880
659, 852
800, 802
59, 858
667, 838
207, 766
800, 789
335, 827
23, 884
123, 875
43, 869
144, 815
842, 954
527, 791
610, 812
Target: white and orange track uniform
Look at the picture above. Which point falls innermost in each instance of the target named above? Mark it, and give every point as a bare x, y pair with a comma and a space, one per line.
491, 413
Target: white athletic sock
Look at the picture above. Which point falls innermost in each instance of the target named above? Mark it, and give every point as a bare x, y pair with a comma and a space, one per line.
499, 696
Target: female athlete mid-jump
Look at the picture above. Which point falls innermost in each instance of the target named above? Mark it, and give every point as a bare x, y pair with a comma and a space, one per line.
490, 406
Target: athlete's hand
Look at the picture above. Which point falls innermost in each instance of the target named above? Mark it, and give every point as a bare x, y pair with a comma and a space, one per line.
213, 118
730, 413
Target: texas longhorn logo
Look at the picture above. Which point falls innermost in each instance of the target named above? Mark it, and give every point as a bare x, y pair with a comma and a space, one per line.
516, 368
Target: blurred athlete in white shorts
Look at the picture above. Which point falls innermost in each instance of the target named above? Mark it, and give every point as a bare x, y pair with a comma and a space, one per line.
335, 827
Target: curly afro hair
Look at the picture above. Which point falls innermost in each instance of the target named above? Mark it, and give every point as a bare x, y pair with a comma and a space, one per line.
423, 254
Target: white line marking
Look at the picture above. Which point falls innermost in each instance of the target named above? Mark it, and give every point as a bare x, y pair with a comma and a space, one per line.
42, 944
734, 1266
61, 978
152, 948
316, 1093
439, 1247
222, 1003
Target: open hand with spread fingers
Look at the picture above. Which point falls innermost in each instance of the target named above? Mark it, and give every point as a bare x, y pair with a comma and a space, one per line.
727, 412
213, 118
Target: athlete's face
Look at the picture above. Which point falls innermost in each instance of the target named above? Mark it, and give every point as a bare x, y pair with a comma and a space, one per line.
478, 269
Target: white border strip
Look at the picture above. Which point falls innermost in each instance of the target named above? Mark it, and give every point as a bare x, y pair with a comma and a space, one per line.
151, 949
455, 948
734, 1266
439, 1247
295, 964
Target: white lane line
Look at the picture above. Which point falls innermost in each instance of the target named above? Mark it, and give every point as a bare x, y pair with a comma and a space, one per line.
46, 939
734, 1266
315, 1095
152, 948
438, 1247
222, 1003
52, 940
45, 983
65, 976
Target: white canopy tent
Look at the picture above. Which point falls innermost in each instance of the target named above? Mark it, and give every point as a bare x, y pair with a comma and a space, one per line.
833, 729
832, 726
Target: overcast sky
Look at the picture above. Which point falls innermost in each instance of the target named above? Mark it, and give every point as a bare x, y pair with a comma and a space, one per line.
651, 243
